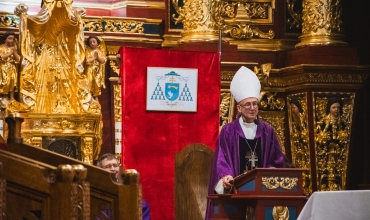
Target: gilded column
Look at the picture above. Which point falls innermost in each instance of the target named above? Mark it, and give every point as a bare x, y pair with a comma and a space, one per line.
321, 23
117, 120
115, 62
201, 20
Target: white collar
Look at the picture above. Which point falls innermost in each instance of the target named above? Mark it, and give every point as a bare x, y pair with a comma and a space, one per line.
249, 129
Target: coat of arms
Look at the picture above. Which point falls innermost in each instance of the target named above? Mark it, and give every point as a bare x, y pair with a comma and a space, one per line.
172, 89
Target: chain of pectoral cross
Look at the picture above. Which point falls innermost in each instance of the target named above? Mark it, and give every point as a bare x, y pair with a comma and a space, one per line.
253, 158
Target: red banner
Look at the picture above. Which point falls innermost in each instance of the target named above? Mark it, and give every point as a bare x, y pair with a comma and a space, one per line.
152, 138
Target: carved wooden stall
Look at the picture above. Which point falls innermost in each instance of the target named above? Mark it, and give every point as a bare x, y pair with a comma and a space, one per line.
109, 197
35, 190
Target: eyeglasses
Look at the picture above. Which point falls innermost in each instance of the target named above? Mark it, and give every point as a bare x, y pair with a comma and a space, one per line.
111, 165
248, 105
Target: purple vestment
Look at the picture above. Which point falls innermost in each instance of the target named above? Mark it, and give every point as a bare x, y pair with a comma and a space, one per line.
226, 157
144, 207
146, 210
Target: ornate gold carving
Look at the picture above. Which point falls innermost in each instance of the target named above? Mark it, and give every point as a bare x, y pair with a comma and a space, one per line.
201, 19
321, 23
317, 78
117, 103
269, 100
263, 72
227, 75
228, 9
88, 126
93, 25
321, 14
298, 126
15, 106
280, 213
124, 26
276, 120
114, 66
242, 24
287, 183
297, 16
7, 20
246, 31
333, 119
263, 45
256, 10
113, 50
226, 108
271, 182
87, 150
52, 67
36, 141
38, 127
61, 124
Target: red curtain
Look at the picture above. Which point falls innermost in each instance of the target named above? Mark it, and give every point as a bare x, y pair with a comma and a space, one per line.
151, 139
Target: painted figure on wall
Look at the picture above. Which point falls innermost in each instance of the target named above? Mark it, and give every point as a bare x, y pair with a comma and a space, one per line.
332, 141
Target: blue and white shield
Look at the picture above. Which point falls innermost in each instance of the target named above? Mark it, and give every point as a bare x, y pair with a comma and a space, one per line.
172, 91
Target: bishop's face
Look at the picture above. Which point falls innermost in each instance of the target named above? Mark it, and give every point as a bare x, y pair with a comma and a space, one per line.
248, 108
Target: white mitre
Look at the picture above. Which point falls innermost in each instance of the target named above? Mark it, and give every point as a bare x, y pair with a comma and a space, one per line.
245, 84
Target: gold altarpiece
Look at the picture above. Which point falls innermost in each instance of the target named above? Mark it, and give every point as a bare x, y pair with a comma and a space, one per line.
59, 109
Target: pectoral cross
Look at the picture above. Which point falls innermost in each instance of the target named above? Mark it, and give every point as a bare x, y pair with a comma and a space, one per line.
253, 159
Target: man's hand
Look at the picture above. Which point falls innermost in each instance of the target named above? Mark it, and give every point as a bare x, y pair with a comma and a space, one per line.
227, 182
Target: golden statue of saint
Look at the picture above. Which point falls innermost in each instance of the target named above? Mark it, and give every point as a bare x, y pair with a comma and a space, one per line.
53, 50
9, 58
95, 64
332, 142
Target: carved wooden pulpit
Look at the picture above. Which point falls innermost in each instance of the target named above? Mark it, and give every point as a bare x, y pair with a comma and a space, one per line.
263, 193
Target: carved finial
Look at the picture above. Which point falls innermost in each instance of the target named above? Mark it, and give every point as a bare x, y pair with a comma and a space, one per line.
65, 173
80, 172
130, 176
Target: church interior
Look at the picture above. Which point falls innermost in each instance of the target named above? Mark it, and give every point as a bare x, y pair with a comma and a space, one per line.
65, 111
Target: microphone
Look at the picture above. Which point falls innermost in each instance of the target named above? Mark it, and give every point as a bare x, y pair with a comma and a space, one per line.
288, 163
256, 120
